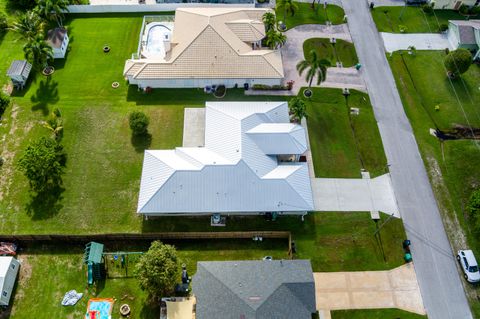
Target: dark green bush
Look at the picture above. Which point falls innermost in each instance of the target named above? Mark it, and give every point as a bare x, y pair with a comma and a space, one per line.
4, 103
443, 27
427, 8
138, 123
3, 23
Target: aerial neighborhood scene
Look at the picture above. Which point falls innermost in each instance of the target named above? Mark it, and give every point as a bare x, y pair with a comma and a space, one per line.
239, 159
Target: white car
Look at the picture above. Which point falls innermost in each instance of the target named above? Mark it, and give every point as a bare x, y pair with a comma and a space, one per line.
469, 265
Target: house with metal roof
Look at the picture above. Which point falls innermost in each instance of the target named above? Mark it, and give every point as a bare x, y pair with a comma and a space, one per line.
58, 40
18, 72
465, 34
9, 267
254, 289
248, 165
205, 46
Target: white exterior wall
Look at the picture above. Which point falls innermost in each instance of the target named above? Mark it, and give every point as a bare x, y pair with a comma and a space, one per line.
59, 53
201, 83
299, 213
161, 7
9, 281
451, 4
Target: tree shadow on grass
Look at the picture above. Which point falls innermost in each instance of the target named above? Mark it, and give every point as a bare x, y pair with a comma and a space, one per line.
46, 94
45, 204
141, 142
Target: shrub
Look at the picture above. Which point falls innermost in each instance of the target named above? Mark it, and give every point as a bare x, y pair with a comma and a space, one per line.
443, 27
457, 62
138, 123
402, 28
43, 163
427, 8
263, 87
475, 10
22, 4
463, 9
3, 23
4, 103
474, 209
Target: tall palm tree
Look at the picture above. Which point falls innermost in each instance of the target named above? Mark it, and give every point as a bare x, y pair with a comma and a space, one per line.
288, 6
269, 20
315, 67
38, 52
53, 10
275, 39
28, 25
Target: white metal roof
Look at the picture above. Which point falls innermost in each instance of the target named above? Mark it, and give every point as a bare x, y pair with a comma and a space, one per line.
233, 172
4, 265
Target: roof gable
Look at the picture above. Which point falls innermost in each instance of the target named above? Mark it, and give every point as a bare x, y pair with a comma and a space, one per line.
269, 288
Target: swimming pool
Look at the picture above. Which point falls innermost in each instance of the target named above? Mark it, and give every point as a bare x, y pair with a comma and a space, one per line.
157, 33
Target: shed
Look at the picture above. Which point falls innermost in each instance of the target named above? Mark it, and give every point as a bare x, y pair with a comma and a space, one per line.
8, 274
18, 72
58, 39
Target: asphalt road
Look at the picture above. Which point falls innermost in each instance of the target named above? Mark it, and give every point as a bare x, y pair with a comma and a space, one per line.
439, 281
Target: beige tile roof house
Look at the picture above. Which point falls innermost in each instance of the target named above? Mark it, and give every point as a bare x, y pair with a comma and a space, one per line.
208, 46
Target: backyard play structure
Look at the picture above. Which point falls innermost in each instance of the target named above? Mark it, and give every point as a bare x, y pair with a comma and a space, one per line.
101, 265
99, 308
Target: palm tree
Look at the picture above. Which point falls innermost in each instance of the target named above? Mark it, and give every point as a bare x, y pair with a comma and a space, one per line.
275, 39
28, 25
37, 51
316, 67
269, 20
53, 9
297, 108
288, 6
55, 124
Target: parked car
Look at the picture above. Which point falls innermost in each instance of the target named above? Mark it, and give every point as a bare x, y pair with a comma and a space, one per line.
469, 265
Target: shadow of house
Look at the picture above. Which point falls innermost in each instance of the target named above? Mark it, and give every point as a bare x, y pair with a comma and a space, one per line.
46, 94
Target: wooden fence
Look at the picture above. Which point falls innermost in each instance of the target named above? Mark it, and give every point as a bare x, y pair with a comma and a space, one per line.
61, 238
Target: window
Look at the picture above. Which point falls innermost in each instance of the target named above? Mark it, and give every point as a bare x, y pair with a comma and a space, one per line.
5, 293
466, 262
13, 266
473, 269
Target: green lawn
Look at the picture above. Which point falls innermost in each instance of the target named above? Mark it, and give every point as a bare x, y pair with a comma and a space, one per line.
103, 169
333, 242
452, 165
342, 51
388, 19
104, 164
306, 15
375, 314
343, 144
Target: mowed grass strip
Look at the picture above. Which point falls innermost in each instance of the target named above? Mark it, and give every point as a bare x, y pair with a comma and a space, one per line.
389, 19
306, 15
341, 51
375, 314
341, 143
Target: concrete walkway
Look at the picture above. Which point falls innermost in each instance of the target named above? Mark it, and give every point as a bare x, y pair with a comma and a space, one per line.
396, 288
421, 41
354, 194
435, 265
194, 127
292, 53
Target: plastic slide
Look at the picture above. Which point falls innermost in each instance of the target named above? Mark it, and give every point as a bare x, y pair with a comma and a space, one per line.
90, 274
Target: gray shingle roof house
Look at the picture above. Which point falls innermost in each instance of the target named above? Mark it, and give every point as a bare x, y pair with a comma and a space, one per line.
465, 34
254, 289
18, 72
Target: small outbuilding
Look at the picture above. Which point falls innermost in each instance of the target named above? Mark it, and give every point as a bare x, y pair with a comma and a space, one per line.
58, 39
18, 72
8, 275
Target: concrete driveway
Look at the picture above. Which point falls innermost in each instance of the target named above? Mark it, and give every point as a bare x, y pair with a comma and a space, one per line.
421, 41
396, 288
354, 194
292, 53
